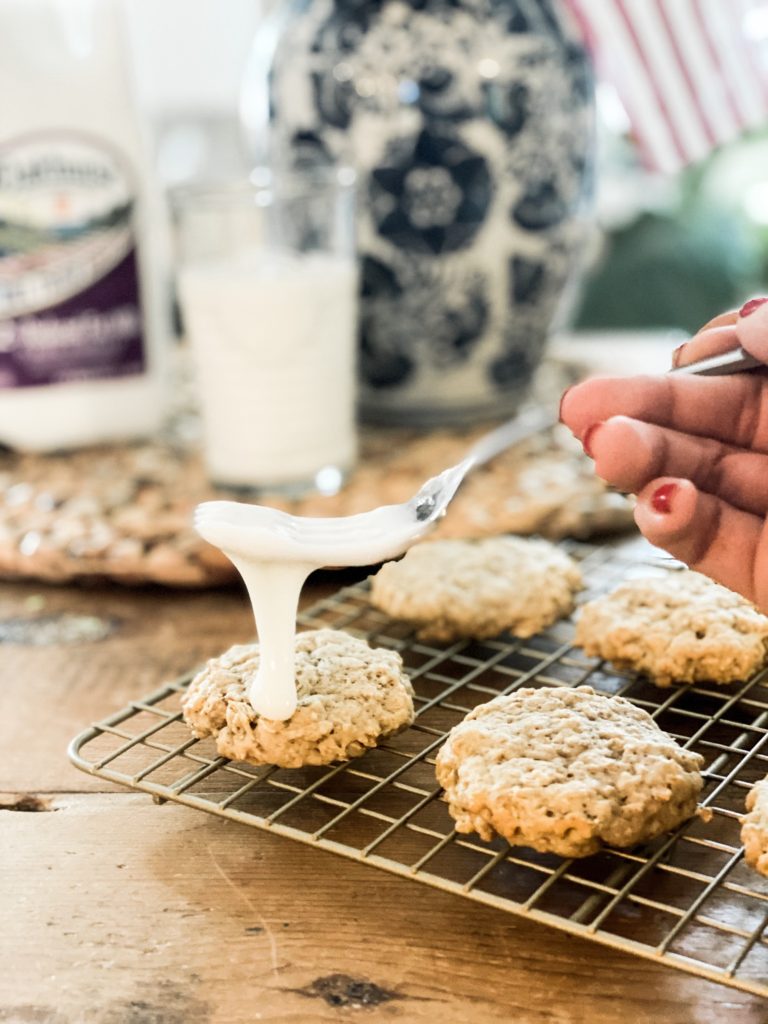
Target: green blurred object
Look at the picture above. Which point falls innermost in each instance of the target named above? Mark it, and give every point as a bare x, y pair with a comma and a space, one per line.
671, 271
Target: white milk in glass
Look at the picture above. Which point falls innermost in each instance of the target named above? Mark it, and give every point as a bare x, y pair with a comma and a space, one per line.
273, 335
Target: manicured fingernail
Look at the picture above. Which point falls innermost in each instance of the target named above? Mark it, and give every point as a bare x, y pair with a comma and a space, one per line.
750, 306
676, 355
562, 399
588, 438
661, 499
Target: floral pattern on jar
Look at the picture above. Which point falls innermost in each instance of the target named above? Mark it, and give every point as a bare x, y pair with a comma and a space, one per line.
470, 124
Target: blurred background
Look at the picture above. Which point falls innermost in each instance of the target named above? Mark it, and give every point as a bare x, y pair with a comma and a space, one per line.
531, 177
675, 245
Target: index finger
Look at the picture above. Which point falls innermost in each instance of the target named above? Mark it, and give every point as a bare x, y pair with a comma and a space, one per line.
733, 409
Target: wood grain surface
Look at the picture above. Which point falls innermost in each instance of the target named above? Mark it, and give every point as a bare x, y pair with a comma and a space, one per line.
118, 911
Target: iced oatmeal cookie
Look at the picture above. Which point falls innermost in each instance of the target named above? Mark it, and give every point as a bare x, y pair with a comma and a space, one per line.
464, 588
350, 696
566, 771
754, 827
677, 628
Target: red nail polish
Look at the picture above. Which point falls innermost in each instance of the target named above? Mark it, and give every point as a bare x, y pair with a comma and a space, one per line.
588, 438
661, 499
676, 354
750, 306
562, 399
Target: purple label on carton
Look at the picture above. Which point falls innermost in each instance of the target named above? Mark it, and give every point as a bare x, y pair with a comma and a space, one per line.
70, 306
92, 336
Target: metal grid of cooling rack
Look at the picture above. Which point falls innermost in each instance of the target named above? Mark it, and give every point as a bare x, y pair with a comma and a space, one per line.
686, 899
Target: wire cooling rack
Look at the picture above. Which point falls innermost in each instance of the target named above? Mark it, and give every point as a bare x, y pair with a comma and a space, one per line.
686, 899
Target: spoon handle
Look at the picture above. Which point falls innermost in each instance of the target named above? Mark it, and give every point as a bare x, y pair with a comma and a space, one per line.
735, 361
512, 432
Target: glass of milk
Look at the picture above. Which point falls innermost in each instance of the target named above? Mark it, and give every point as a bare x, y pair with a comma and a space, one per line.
268, 289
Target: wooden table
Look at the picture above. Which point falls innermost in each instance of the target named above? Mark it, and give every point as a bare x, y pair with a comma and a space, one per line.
119, 911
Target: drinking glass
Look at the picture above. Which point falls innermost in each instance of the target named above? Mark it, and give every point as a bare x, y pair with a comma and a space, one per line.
267, 285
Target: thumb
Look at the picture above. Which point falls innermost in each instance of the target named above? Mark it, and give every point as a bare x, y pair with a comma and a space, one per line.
752, 328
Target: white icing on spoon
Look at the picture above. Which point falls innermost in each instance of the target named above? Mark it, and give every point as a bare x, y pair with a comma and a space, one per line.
274, 552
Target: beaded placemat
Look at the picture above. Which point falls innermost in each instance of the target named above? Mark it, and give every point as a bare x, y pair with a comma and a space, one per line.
124, 512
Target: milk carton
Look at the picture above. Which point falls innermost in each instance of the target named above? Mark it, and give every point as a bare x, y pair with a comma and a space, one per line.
81, 296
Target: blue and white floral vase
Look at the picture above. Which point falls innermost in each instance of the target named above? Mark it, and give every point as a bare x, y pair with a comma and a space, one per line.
470, 124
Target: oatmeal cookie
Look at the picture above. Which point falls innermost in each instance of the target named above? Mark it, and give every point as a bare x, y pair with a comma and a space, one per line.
350, 696
463, 588
677, 628
566, 771
754, 827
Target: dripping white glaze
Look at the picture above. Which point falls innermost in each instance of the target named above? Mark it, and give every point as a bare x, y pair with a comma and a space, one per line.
275, 553
274, 588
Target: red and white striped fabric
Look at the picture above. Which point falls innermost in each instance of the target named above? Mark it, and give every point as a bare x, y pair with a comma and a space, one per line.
692, 74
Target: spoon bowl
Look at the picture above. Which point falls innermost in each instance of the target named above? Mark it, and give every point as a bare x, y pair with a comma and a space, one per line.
257, 531
275, 551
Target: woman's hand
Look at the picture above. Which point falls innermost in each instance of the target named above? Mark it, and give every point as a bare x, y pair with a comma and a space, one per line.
694, 450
